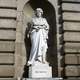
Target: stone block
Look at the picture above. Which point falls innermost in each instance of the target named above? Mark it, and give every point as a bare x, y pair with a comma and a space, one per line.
18, 48
71, 47
19, 32
72, 0
72, 71
40, 71
71, 16
19, 27
8, 3
71, 6
7, 46
71, 26
6, 70
71, 36
6, 58
8, 79
11, 13
19, 16
19, 63
72, 59
8, 23
24, 55
8, 34
19, 37
20, 4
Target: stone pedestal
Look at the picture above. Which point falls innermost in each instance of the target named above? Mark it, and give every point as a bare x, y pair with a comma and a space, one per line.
42, 79
40, 70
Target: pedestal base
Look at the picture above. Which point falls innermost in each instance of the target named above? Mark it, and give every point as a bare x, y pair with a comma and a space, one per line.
40, 70
44, 79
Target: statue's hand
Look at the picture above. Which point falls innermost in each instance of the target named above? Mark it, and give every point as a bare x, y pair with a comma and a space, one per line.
27, 35
37, 29
45, 27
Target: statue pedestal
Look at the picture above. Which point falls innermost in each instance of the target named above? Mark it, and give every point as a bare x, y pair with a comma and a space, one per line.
43, 79
40, 70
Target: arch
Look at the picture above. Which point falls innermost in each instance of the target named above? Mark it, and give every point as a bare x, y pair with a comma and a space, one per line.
50, 15
22, 3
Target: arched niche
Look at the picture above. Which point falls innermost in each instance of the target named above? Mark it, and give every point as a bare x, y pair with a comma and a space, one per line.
50, 15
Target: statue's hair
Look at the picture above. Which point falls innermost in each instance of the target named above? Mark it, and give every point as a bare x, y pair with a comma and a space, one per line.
39, 9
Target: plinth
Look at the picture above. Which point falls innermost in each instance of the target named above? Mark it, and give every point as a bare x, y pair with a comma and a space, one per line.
40, 70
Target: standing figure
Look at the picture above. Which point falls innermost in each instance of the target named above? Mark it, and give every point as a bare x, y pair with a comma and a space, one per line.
38, 34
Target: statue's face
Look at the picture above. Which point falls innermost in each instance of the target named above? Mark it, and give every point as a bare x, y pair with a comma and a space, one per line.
38, 14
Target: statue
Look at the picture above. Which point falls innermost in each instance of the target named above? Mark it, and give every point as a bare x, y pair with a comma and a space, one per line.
38, 34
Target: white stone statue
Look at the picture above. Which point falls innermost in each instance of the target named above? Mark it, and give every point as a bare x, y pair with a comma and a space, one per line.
39, 35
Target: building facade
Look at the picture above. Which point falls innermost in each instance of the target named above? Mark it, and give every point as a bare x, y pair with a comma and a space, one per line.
64, 41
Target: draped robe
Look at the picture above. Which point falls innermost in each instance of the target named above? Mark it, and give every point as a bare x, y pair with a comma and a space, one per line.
39, 35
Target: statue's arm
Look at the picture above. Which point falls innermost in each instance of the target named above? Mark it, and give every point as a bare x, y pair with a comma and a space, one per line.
46, 24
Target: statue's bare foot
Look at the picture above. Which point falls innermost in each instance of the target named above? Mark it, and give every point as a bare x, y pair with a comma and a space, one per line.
45, 62
29, 63
39, 59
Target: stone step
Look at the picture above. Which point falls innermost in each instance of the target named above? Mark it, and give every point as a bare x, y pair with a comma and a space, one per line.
42, 79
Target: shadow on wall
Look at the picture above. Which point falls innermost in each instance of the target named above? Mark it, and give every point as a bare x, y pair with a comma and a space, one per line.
49, 14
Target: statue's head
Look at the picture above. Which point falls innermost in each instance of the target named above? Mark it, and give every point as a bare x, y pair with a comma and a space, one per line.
39, 12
